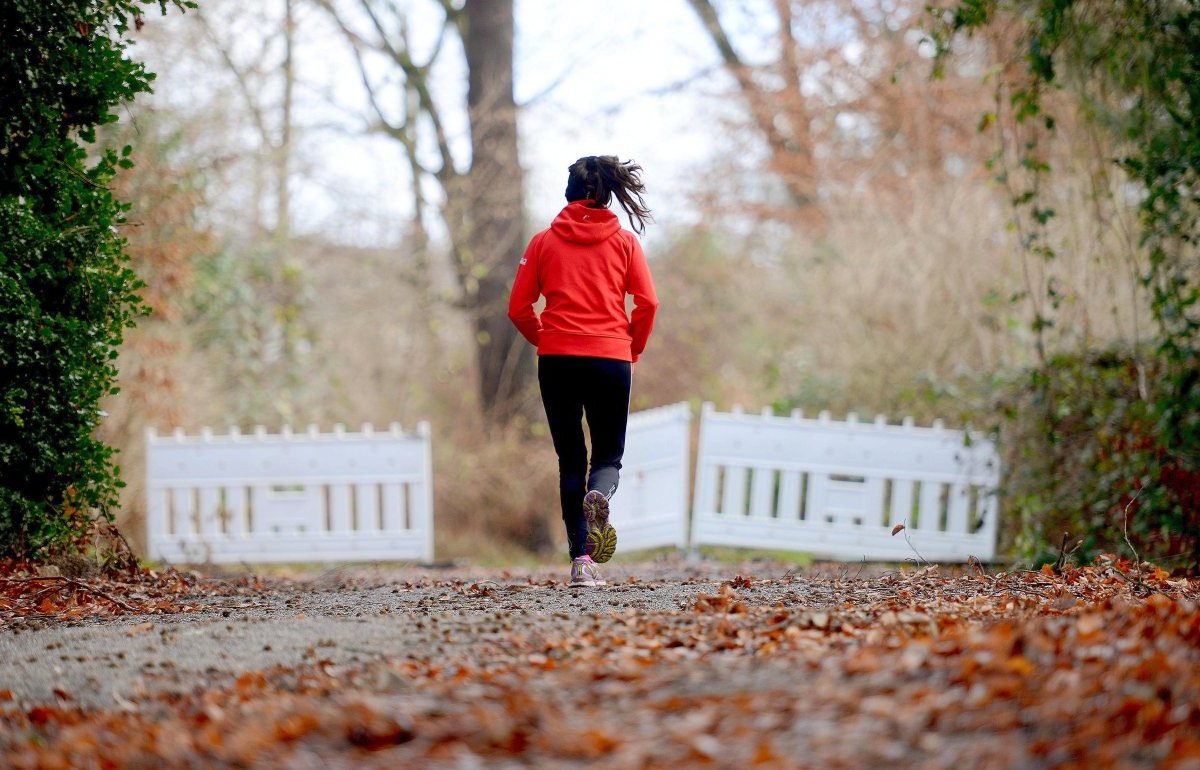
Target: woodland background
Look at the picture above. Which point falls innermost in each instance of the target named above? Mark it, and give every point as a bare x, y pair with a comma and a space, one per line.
854, 236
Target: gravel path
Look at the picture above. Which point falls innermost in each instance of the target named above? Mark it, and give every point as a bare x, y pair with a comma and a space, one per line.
351, 616
673, 664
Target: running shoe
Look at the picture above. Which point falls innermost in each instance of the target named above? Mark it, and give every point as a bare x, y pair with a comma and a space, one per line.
584, 572
601, 538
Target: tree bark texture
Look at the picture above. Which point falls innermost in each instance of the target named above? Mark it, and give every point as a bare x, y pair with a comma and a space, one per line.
491, 209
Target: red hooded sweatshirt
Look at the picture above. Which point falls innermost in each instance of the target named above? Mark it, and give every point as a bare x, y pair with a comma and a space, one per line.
584, 264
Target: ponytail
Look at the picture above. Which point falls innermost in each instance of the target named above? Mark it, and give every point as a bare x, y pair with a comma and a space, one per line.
599, 178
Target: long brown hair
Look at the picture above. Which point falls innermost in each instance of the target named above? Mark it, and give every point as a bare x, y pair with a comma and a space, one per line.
599, 177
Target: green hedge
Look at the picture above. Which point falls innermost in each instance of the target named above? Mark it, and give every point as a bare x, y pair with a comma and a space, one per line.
66, 294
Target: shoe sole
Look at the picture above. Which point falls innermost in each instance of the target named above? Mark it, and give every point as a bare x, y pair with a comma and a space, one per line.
587, 583
602, 538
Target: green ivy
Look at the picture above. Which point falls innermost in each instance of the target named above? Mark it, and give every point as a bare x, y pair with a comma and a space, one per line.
66, 294
1108, 443
1087, 462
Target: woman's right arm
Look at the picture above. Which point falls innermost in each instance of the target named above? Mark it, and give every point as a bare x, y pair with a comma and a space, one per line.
525, 292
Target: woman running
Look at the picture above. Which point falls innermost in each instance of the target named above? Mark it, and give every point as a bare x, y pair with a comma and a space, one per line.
584, 264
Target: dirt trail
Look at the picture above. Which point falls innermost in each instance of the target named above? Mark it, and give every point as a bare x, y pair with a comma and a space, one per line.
671, 665
343, 616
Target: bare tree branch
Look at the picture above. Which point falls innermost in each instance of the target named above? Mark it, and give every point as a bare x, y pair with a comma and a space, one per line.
248, 93
764, 105
404, 132
416, 78
440, 40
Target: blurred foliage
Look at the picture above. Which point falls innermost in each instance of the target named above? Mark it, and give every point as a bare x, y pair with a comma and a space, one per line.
165, 234
66, 294
249, 307
1115, 435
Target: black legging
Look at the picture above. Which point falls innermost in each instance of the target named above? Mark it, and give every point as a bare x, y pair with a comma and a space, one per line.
573, 386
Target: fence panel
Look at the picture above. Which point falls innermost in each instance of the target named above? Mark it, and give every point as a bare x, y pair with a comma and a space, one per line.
833, 489
650, 509
290, 497
836, 489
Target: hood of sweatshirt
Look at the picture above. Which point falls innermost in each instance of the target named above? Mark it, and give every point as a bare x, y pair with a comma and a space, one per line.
580, 223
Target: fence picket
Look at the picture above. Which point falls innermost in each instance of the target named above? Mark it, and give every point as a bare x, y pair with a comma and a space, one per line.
902, 502
762, 493
339, 508
960, 500
789, 495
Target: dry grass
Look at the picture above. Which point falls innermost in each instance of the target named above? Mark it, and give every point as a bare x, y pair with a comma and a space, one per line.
900, 298
496, 498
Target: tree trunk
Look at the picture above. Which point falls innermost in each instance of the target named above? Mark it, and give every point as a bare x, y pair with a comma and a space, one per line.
492, 211
283, 151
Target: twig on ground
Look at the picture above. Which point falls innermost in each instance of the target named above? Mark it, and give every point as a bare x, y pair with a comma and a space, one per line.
1137, 560
920, 559
79, 584
129, 557
1001, 589
1064, 554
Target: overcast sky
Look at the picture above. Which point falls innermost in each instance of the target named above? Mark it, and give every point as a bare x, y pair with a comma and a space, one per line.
619, 94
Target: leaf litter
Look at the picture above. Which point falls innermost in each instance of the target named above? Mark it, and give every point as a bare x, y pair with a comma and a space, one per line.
1091, 666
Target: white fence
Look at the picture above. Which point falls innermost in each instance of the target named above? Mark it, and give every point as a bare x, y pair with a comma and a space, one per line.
650, 508
290, 497
832, 489
836, 489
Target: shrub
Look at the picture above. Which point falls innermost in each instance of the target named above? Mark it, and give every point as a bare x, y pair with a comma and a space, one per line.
1092, 465
66, 295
